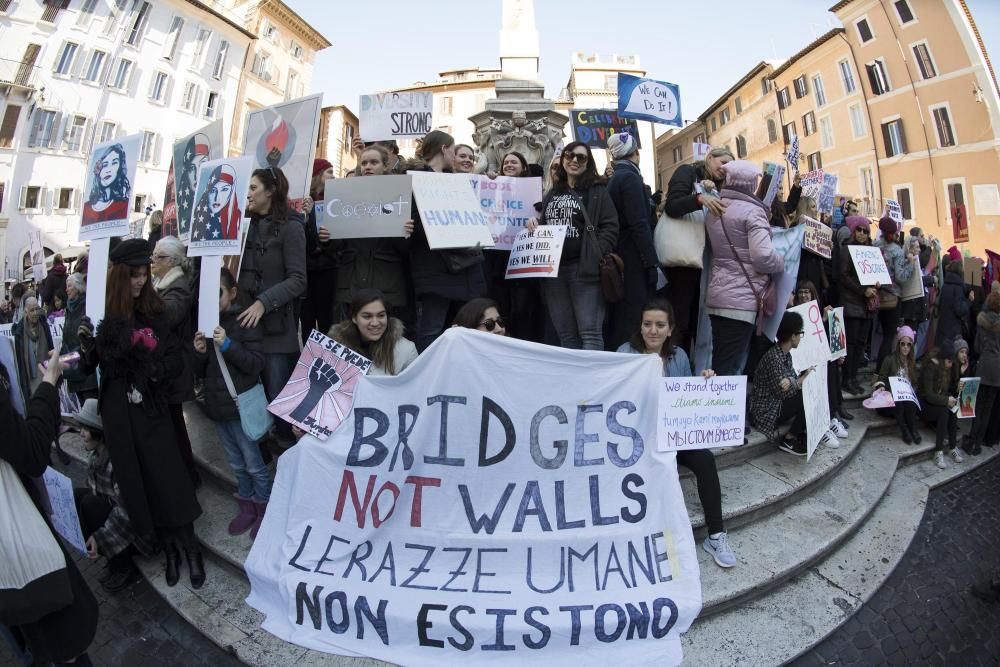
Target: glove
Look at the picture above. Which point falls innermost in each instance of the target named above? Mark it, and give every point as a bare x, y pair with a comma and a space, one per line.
652, 277
85, 332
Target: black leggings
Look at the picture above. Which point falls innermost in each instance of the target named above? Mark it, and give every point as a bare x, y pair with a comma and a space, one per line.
945, 422
93, 510
702, 463
856, 329
905, 414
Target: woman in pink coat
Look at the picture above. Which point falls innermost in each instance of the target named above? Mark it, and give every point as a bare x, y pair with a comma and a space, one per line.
743, 258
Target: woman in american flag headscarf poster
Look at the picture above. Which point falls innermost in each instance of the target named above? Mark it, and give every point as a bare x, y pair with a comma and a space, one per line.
217, 216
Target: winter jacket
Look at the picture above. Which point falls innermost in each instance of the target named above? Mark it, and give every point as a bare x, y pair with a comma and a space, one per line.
953, 308
928, 389
681, 198
375, 262
274, 273
244, 356
55, 281
176, 290
319, 256
24, 372
603, 216
852, 292
899, 268
746, 220
77, 380
635, 237
988, 344
404, 352
890, 369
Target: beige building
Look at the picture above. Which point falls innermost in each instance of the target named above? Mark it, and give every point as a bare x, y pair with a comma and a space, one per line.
746, 118
338, 126
674, 148
279, 65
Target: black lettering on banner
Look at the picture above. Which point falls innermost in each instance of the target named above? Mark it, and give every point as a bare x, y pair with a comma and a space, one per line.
660, 557
329, 545
421, 568
608, 569
638, 620
388, 564
561, 522
423, 625
455, 623
499, 644
480, 572
304, 603
600, 630
574, 611
533, 496
658, 605
339, 627
442, 458
372, 439
491, 408
356, 559
377, 619
562, 572
595, 504
582, 557
561, 446
537, 625
403, 444
633, 480
302, 545
626, 431
582, 438
458, 571
483, 521
634, 560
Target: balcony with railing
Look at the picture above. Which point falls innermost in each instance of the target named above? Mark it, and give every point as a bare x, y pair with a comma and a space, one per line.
18, 73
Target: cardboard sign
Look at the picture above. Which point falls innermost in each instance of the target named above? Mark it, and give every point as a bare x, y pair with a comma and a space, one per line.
64, 517
107, 195
37, 254
902, 390
320, 393
450, 212
788, 243
914, 287
209, 282
769, 183
649, 99
366, 207
973, 267
386, 116
811, 183
283, 136
508, 204
813, 352
537, 255
595, 126
190, 153
870, 265
838, 333
818, 238
894, 210
217, 219
701, 413
966, 407
97, 280
793, 155
436, 466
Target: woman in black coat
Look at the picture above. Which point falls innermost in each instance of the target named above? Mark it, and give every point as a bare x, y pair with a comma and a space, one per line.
138, 356
954, 305
50, 631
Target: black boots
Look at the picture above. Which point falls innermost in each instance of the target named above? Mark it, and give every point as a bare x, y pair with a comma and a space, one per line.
196, 566
192, 553
172, 571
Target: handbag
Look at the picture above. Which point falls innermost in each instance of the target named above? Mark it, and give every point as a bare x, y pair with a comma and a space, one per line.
610, 266
252, 404
873, 303
766, 301
680, 242
457, 260
887, 300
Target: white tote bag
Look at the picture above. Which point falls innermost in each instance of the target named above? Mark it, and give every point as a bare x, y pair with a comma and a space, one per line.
680, 241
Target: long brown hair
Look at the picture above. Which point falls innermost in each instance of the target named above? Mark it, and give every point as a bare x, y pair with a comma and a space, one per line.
586, 179
119, 301
381, 351
667, 349
906, 360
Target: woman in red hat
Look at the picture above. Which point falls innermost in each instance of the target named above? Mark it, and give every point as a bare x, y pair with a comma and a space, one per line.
321, 258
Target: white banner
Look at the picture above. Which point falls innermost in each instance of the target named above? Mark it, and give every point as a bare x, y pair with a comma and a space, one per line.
454, 515
870, 265
700, 413
508, 204
813, 352
386, 116
537, 255
450, 211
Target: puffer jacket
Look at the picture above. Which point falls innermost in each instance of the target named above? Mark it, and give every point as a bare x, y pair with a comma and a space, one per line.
175, 288
852, 292
988, 344
746, 220
244, 359
895, 260
953, 307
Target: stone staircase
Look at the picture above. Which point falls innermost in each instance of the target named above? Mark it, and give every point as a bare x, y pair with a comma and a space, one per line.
814, 540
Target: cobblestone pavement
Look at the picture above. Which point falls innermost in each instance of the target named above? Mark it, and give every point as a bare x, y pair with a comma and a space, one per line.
924, 614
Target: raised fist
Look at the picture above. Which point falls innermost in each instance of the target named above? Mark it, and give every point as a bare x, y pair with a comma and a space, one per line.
323, 378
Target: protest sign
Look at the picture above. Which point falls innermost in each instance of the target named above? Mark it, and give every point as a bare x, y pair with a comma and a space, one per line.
894, 211
793, 154
827, 193
542, 523
811, 183
209, 282
386, 116
967, 397
838, 333
9, 362
320, 392
108, 192
64, 518
700, 151
973, 269
770, 182
508, 204
190, 153
217, 218
902, 390
701, 413
870, 265
838, 211
97, 281
37, 254
788, 244
366, 207
56, 326
595, 126
450, 211
168, 226
813, 352
283, 136
537, 255
914, 287
649, 99
818, 238
7, 330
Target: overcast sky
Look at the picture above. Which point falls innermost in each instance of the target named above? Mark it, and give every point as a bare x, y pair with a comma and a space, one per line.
703, 47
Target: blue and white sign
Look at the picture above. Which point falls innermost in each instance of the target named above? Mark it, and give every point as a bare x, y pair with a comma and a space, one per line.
648, 99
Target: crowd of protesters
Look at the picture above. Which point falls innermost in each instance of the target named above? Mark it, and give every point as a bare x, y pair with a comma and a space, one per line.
390, 298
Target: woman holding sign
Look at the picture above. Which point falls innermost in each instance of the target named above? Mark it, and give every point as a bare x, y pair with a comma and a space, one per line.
938, 391
900, 265
653, 337
860, 303
321, 258
370, 331
901, 363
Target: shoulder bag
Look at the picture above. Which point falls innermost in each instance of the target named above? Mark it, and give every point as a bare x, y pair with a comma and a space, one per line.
680, 242
610, 267
766, 305
252, 404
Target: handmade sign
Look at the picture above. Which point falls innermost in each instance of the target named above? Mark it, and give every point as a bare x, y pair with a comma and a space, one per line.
902, 390
813, 352
649, 99
366, 207
793, 156
770, 182
701, 413
838, 211
97, 281
320, 392
56, 326
283, 137
914, 287
828, 192
37, 254
450, 212
818, 238
973, 269
811, 183
595, 126
894, 211
870, 265
455, 514
508, 204
190, 153
788, 243
537, 255
209, 283
700, 151
64, 517
108, 191
386, 116
838, 333
7, 330
218, 216
968, 391
9, 362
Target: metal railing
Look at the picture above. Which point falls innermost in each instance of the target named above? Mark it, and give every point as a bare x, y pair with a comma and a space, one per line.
17, 73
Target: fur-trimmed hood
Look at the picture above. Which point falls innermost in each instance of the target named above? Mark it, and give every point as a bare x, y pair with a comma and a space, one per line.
346, 333
403, 351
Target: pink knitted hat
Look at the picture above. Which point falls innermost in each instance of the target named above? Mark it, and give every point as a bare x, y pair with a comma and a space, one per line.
904, 332
742, 174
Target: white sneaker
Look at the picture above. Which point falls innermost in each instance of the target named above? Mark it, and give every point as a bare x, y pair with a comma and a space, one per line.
720, 550
939, 459
956, 455
829, 439
837, 428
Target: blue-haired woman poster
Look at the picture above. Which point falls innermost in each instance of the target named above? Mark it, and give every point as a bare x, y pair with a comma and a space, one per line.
217, 215
109, 188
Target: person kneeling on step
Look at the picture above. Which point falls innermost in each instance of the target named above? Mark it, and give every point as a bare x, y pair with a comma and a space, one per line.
777, 389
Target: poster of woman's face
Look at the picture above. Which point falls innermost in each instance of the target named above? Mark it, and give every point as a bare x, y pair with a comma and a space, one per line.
108, 191
283, 136
217, 215
190, 153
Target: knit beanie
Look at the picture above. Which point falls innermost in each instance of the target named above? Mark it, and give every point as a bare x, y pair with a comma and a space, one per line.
960, 344
320, 165
742, 174
954, 253
621, 145
887, 226
946, 350
855, 221
905, 332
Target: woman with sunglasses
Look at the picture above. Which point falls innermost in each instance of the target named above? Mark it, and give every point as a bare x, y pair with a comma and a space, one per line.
859, 301
579, 199
482, 314
901, 363
369, 330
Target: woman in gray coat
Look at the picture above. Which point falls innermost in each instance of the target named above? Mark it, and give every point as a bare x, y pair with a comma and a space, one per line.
272, 278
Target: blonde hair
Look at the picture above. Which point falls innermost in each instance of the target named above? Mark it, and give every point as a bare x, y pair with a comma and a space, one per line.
382, 153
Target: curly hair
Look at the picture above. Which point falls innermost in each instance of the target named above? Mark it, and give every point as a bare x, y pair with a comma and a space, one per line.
120, 187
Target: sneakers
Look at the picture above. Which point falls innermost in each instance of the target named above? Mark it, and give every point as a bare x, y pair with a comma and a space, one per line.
830, 440
838, 428
956, 455
718, 547
939, 459
794, 446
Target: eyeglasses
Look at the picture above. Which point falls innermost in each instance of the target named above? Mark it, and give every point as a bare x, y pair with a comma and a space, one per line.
902, 344
576, 157
491, 323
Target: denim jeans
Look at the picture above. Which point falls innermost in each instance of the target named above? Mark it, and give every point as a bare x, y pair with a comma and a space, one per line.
243, 455
432, 318
278, 367
576, 308
730, 344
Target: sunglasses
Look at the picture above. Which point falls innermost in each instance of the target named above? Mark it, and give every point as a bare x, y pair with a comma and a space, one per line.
902, 344
864, 230
575, 157
491, 324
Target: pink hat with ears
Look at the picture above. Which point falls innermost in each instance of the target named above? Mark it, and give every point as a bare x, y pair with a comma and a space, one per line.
904, 332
